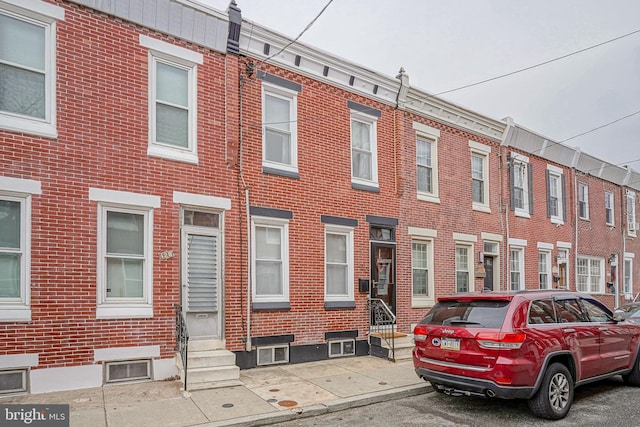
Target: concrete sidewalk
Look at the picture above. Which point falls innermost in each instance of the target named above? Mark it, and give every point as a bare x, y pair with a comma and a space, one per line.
269, 395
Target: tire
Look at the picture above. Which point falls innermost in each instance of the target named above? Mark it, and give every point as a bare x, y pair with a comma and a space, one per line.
555, 395
633, 377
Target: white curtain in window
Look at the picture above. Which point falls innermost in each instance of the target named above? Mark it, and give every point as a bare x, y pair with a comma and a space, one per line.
277, 130
10, 255
125, 254
337, 264
269, 279
420, 269
22, 67
172, 105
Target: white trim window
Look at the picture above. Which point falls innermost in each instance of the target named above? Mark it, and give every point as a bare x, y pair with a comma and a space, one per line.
609, 208
590, 272
425, 182
338, 253
270, 259
280, 128
628, 274
125, 258
15, 248
516, 268
364, 149
544, 269
583, 200
28, 67
422, 272
172, 100
480, 181
632, 225
463, 268
521, 186
556, 203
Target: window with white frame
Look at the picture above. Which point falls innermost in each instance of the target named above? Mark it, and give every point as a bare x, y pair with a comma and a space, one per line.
463, 268
15, 247
270, 246
279, 118
480, 176
516, 268
364, 156
338, 263
555, 195
628, 275
424, 164
172, 100
125, 258
609, 208
28, 67
632, 225
422, 270
521, 185
544, 269
590, 274
583, 200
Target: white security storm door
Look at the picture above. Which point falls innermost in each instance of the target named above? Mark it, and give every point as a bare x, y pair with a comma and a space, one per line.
201, 282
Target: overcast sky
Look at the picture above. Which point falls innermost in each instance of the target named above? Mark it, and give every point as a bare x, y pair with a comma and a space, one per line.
444, 45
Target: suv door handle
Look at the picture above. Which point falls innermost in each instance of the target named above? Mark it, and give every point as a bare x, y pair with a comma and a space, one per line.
603, 329
569, 330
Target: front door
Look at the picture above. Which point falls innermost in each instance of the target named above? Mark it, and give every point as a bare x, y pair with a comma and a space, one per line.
383, 273
201, 281
488, 270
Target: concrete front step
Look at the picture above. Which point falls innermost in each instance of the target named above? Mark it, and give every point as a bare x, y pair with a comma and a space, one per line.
210, 358
403, 344
206, 344
212, 375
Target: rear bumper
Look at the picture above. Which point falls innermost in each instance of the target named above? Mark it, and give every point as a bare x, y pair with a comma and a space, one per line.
454, 384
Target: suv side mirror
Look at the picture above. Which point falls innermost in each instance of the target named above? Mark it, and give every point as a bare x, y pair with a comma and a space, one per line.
618, 315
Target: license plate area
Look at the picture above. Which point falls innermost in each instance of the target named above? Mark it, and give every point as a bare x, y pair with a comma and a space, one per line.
450, 344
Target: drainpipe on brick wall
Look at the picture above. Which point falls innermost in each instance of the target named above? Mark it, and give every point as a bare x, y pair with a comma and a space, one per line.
247, 344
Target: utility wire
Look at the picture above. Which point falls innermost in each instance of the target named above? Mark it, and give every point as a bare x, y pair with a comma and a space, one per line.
600, 127
537, 65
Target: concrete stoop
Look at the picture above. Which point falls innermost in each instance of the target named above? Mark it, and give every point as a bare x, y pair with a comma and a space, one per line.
209, 366
403, 343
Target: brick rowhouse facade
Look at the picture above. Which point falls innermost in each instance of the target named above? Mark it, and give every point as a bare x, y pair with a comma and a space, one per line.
428, 209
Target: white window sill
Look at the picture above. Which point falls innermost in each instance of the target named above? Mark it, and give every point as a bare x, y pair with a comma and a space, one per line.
33, 127
557, 221
113, 311
428, 198
172, 154
522, 214
419, 302
15, 313
481, 208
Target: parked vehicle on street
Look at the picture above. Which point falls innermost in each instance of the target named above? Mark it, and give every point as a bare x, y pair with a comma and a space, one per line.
534, 345
631, 310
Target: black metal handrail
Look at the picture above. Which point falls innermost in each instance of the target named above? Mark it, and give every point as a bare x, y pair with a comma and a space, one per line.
382, 324
182, 340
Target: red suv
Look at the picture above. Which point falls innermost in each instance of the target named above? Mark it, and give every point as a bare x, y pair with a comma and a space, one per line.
535, 345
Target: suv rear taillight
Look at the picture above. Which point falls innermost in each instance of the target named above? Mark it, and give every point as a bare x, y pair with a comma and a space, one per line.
420, 333
500, 340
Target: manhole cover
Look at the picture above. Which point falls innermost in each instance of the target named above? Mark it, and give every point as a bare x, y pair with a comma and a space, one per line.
227, 405
288, 403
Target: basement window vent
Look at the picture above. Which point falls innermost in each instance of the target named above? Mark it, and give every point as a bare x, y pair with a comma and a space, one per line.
339, 348
273, 355
130, 370
13, 381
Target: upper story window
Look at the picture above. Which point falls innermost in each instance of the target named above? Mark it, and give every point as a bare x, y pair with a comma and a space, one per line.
172, 100
279, 138
338, 263
583, 200
632, 225
15, 248
609, 208
556, 201
28, 67
521, 185
364, 147
125, 258
427, 162
480, 176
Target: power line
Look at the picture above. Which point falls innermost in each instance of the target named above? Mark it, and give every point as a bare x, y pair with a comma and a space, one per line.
537, 65
600, 127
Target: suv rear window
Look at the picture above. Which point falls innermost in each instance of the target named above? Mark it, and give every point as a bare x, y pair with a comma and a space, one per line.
479, 314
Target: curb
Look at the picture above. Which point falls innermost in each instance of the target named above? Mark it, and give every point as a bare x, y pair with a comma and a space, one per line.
321, 409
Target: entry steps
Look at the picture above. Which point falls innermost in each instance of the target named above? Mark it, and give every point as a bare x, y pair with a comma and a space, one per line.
209, 366
381, 345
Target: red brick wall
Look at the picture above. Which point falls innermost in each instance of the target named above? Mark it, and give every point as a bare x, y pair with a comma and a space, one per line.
102, 104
